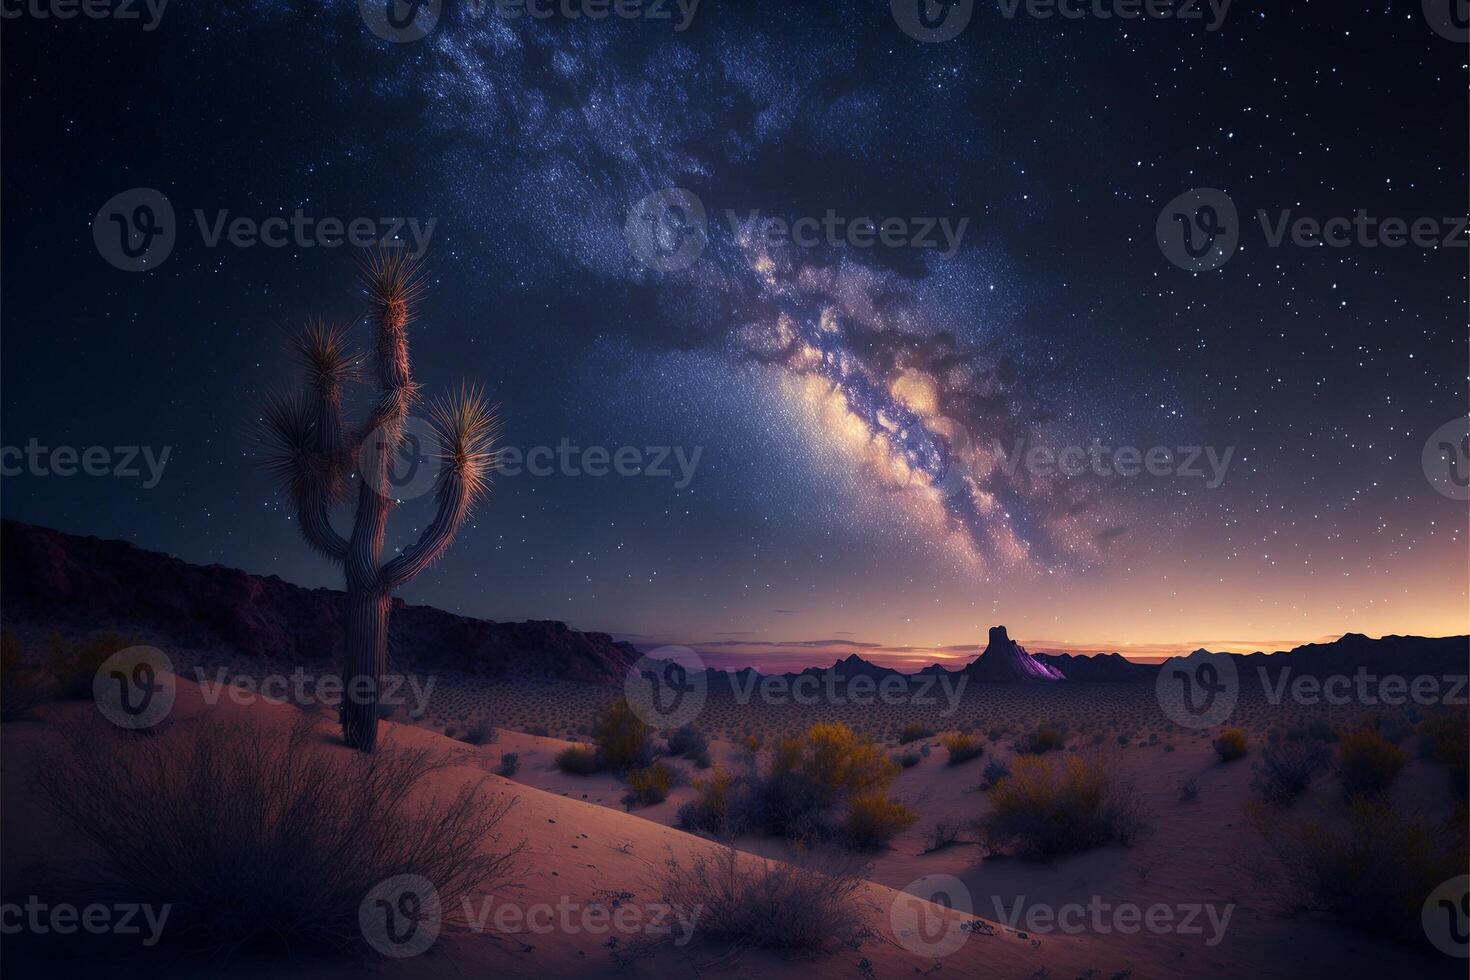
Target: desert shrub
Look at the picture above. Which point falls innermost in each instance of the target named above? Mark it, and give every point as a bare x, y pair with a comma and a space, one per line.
577, 760
624, 741
510, 764
261, 837
1370, 870
1045, 739
1189, 790
963, 748
873, 819
479, 734
650, 785
73, 664
769, 905
1047, 807
908, 759
995, 771
914, 731
710, 810
1231, 745
944, 833
689, 742
22, 687
804, 791
1367, 763
1449, 744
1287, 769
538, 730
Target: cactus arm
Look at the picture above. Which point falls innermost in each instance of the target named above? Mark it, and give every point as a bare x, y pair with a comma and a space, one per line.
465, 426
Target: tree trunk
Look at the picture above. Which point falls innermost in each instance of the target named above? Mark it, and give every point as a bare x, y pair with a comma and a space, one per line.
367, 657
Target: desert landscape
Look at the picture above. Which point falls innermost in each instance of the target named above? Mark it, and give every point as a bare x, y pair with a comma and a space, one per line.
1169, 819
665, 489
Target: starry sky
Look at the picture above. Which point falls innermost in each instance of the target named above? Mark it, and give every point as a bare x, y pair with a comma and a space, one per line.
855, 410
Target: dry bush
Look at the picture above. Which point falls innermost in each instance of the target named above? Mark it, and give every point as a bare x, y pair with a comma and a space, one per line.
510, 764
1047, 807
1045, 739
770, 905
577, 760
710, 810
944, 833
1231, 745
650, 785
480, 734
23, 688
1287, 769
1448, 742
624, 741
914, 731
873, 819
74, 663
262, 837
1371, 870
962, 747
1367, 763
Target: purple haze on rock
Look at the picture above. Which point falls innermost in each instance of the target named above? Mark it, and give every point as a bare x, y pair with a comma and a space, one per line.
1005, 660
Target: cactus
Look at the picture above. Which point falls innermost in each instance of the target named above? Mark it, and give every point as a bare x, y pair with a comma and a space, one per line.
317, 456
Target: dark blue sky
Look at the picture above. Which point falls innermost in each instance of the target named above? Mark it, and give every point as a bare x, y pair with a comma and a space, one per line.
821, 386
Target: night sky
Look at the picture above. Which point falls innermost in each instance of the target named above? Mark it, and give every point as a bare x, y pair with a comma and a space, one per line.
846, 402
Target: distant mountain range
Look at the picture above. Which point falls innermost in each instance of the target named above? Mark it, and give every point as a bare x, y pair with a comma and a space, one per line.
50, 580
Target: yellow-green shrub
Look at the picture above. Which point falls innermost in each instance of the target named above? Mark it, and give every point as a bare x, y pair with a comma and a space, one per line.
873, 819
1231, 745
1047, 806
1367, 763
962, 748
624, 741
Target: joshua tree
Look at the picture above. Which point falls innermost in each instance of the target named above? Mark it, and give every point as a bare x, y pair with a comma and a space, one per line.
318, 456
